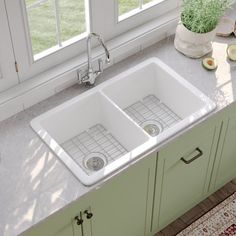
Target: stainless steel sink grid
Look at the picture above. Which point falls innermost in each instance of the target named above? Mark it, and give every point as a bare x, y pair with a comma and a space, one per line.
152, 115
94, 148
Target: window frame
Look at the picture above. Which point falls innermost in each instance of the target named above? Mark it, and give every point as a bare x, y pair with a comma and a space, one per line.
28, 66
61, 44
8, 74
112, 28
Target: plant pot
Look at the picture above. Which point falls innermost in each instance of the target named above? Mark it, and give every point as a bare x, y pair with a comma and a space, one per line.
194, 45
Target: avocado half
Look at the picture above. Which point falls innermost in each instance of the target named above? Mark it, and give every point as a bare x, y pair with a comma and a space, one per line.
231, 51
209, 63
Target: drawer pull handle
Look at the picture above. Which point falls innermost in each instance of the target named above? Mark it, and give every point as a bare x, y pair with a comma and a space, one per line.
79, 221
89, 215
200, 153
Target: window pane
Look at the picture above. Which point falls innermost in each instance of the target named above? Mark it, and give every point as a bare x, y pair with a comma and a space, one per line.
42, 24
52, 22
128, 5
72, 18
147, 1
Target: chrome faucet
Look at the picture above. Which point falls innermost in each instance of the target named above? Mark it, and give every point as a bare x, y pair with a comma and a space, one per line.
89, 75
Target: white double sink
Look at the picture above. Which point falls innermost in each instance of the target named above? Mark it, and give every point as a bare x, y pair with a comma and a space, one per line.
112, 124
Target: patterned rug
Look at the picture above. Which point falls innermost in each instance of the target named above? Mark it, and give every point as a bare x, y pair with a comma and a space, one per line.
220, 221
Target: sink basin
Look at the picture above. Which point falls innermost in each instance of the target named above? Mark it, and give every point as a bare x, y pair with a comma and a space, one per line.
90, 135
107, 127
158, 99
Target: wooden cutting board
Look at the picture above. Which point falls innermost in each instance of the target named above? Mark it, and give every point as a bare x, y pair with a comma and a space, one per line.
226, 27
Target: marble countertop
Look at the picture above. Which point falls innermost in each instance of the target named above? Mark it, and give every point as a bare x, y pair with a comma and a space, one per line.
34, 183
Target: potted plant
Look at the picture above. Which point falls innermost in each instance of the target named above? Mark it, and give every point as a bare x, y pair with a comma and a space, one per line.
197, 27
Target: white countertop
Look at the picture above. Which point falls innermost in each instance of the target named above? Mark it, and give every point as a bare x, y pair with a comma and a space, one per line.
34, 183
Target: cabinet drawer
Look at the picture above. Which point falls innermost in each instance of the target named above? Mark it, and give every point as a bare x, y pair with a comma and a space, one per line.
191, 146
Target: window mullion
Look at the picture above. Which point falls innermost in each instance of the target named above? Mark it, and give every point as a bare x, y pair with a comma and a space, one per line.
140, 4
58, 22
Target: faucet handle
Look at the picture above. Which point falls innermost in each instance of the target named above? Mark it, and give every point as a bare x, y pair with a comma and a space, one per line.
82, 76
100, 65
79, 76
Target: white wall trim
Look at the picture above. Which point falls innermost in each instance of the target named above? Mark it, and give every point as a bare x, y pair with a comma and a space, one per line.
62, 76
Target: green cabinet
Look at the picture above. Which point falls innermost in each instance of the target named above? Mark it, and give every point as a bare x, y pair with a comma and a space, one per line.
124, 205
121, 206
225, 165
155, 191
183, 173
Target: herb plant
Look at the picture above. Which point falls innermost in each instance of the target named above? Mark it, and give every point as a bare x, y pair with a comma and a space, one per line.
202, 16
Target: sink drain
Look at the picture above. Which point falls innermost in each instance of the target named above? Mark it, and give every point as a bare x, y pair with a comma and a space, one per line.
95, 161
152, 127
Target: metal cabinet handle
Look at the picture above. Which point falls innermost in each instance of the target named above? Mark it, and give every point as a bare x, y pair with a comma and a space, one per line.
79, 220
200, 153
89, 215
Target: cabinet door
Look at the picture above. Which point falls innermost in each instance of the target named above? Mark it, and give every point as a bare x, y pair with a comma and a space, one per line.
55, 227
62, 223
186, 164
226, 170
122, 207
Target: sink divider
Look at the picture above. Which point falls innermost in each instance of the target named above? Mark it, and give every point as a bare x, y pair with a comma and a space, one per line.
124, 114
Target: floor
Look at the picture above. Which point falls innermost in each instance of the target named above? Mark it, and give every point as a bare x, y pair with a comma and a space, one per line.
199, 210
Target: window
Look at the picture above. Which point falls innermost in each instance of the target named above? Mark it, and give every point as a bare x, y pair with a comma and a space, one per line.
54, 24
45, 33
127, 6
107, 21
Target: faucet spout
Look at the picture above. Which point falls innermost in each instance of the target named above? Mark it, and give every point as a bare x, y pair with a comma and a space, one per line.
89, 76
100, 40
